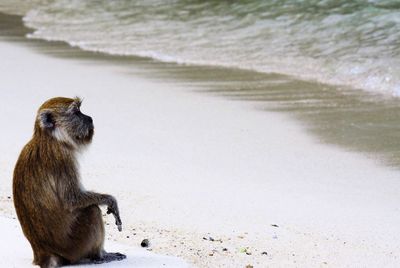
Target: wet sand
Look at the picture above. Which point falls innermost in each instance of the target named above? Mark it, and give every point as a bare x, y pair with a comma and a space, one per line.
351, 118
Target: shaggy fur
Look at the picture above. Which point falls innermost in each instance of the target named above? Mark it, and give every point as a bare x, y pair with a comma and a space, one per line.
62, 222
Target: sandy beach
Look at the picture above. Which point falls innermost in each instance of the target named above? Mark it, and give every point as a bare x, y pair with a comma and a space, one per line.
213, 181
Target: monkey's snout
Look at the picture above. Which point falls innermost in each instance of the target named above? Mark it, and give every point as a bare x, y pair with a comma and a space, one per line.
89, 123
90, 120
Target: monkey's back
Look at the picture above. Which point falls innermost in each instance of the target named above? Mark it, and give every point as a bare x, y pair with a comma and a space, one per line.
43, 217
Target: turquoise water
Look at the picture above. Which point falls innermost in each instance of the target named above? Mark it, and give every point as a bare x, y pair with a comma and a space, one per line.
349, 43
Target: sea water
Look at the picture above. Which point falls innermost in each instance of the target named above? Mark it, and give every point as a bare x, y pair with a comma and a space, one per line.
350, 43
290, 56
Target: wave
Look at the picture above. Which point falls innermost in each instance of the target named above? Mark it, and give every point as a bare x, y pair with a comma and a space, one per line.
349, 43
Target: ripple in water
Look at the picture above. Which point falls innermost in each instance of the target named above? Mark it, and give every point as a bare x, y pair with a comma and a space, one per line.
351, 43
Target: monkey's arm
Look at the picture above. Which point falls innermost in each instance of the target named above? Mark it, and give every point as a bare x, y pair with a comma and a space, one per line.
112, 207
83, 199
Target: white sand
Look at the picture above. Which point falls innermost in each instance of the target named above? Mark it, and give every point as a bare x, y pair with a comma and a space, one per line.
18, 252
185, 165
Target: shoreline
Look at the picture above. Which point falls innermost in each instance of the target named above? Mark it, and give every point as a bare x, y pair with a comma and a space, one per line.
242, 170
353, 119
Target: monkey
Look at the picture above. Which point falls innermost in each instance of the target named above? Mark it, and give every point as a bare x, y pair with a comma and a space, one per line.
61, 220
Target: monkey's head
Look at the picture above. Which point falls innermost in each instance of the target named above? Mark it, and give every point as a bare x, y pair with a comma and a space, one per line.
62, 119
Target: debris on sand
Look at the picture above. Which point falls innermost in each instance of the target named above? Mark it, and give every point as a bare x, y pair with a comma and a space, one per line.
145, 243
245, 250
212, 239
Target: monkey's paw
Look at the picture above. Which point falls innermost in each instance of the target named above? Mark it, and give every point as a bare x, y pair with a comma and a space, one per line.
118, 221
109, 257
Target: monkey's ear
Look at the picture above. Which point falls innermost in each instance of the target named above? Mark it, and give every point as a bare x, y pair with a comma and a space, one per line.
46, 119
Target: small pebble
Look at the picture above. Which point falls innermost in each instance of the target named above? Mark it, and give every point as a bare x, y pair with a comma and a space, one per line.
145, 243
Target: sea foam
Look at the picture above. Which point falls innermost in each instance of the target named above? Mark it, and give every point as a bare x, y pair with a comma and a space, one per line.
341, 43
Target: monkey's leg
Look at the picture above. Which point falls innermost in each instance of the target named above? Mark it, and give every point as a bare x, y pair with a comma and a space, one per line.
98, 255
86, 237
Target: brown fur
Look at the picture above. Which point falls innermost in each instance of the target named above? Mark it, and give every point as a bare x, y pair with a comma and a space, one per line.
62, 222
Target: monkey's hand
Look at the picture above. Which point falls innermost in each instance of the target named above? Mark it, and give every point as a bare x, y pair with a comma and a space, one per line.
113, 208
